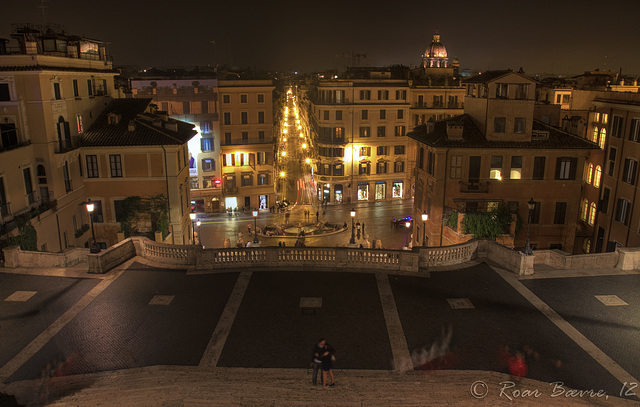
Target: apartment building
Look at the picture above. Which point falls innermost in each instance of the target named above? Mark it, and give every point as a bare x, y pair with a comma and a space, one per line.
52, 87
497, 153
195, 101
134, 150
247, 143
361, 119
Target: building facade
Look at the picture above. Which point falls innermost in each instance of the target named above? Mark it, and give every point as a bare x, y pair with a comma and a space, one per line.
496, 154
247, 143
132, 150
52, 87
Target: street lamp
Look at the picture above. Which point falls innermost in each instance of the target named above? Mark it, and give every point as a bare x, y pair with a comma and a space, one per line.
198, 223
192, 215
353, 236
94, 245
407, 224
255, 226
425, 216
527, 248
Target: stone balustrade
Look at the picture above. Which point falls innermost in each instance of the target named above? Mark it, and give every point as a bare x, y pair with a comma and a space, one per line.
447, 255
15, 257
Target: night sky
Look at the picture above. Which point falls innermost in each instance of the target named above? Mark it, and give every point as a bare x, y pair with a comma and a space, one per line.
562, 37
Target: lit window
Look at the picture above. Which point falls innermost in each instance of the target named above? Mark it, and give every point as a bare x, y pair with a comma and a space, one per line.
585, 209
603, 137
592, 213
496, 167
596, 179
516, 167
605, 118
79, 123
589, 174
595, 135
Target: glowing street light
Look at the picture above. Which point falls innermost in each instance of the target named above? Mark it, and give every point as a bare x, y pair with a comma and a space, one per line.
198, 223
425, 216
308, 160
406, 240
255, 226
284, 153
94, 245
192, 215
353, 235
304, 145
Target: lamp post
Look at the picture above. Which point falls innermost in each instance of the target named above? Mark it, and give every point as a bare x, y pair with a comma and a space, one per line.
425, 216
406, 236
198, 223
353, 236
255, 226
94, 245
527, 248
192, 215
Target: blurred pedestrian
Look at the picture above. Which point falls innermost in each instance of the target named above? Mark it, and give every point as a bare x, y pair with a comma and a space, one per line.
316, 360
317, 216
327, 358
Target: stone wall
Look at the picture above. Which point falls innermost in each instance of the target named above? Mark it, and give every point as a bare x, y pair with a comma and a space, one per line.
15, 257
629, 258
565, 261
112, 257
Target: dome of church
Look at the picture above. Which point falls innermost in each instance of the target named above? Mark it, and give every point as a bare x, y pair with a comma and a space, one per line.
436, 49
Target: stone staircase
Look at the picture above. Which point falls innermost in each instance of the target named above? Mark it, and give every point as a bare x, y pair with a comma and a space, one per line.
191, 386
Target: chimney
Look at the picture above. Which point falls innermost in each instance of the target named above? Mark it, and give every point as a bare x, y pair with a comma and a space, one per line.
454, 130
430, 124
131, 126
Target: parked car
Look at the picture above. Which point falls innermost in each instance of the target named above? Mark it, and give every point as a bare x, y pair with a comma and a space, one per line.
401, 222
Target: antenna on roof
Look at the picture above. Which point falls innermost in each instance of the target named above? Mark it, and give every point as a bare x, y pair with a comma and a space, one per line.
43, 7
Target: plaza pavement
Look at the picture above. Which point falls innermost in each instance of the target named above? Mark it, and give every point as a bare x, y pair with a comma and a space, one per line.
237, 346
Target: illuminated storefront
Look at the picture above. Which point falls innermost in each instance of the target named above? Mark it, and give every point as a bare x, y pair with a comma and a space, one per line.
397, 189
363, 191
381, 190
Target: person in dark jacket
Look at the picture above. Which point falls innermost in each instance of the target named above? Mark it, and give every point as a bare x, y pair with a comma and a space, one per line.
316, 359
328, 357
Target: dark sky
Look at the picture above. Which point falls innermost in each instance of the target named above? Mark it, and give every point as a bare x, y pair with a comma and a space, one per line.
560, 36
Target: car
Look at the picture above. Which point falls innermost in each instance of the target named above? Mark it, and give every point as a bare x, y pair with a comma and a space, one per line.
402, 222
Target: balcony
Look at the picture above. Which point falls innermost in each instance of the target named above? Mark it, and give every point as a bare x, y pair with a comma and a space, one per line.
11, 146
474, 187
64, 145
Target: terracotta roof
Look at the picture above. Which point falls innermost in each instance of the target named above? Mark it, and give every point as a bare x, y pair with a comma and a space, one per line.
472, 137
144, 133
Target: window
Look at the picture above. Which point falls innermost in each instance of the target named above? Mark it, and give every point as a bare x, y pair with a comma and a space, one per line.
622, 211
364, 168
499, 124
421, 158
382, 150
244, 118
261, 157
115, 164
227, 138
629, 171
612, 160
456, 167
519, 125
56, 91
535, 215
338, 114
397, 189
634, 133
381, 167
431, 162
383, 95
616, 126
401, 94
516, 167
400, 114
228, 160
382, 131
326, 115
5, 95
592, 213
603, 138
595, 134
243, 98
438, 101
226, 99
538, 168
365, 131
79, 123
496, 167
597, 177
588, 173
206, 144
204, 106
365, 115
399, 149
584, 209
521, 91
247, 180
365, 95
8, 133
566, 168
97, 211
260, 97
338, 170
227, 118
261, 117
363, 191
365, 151
604, 202
92, 166
263, 179
186, 107
561, 210
502, 91
383, 114
398, 166
400, 131
261, 135
90, 87
245, 137
605, 118
67, 180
